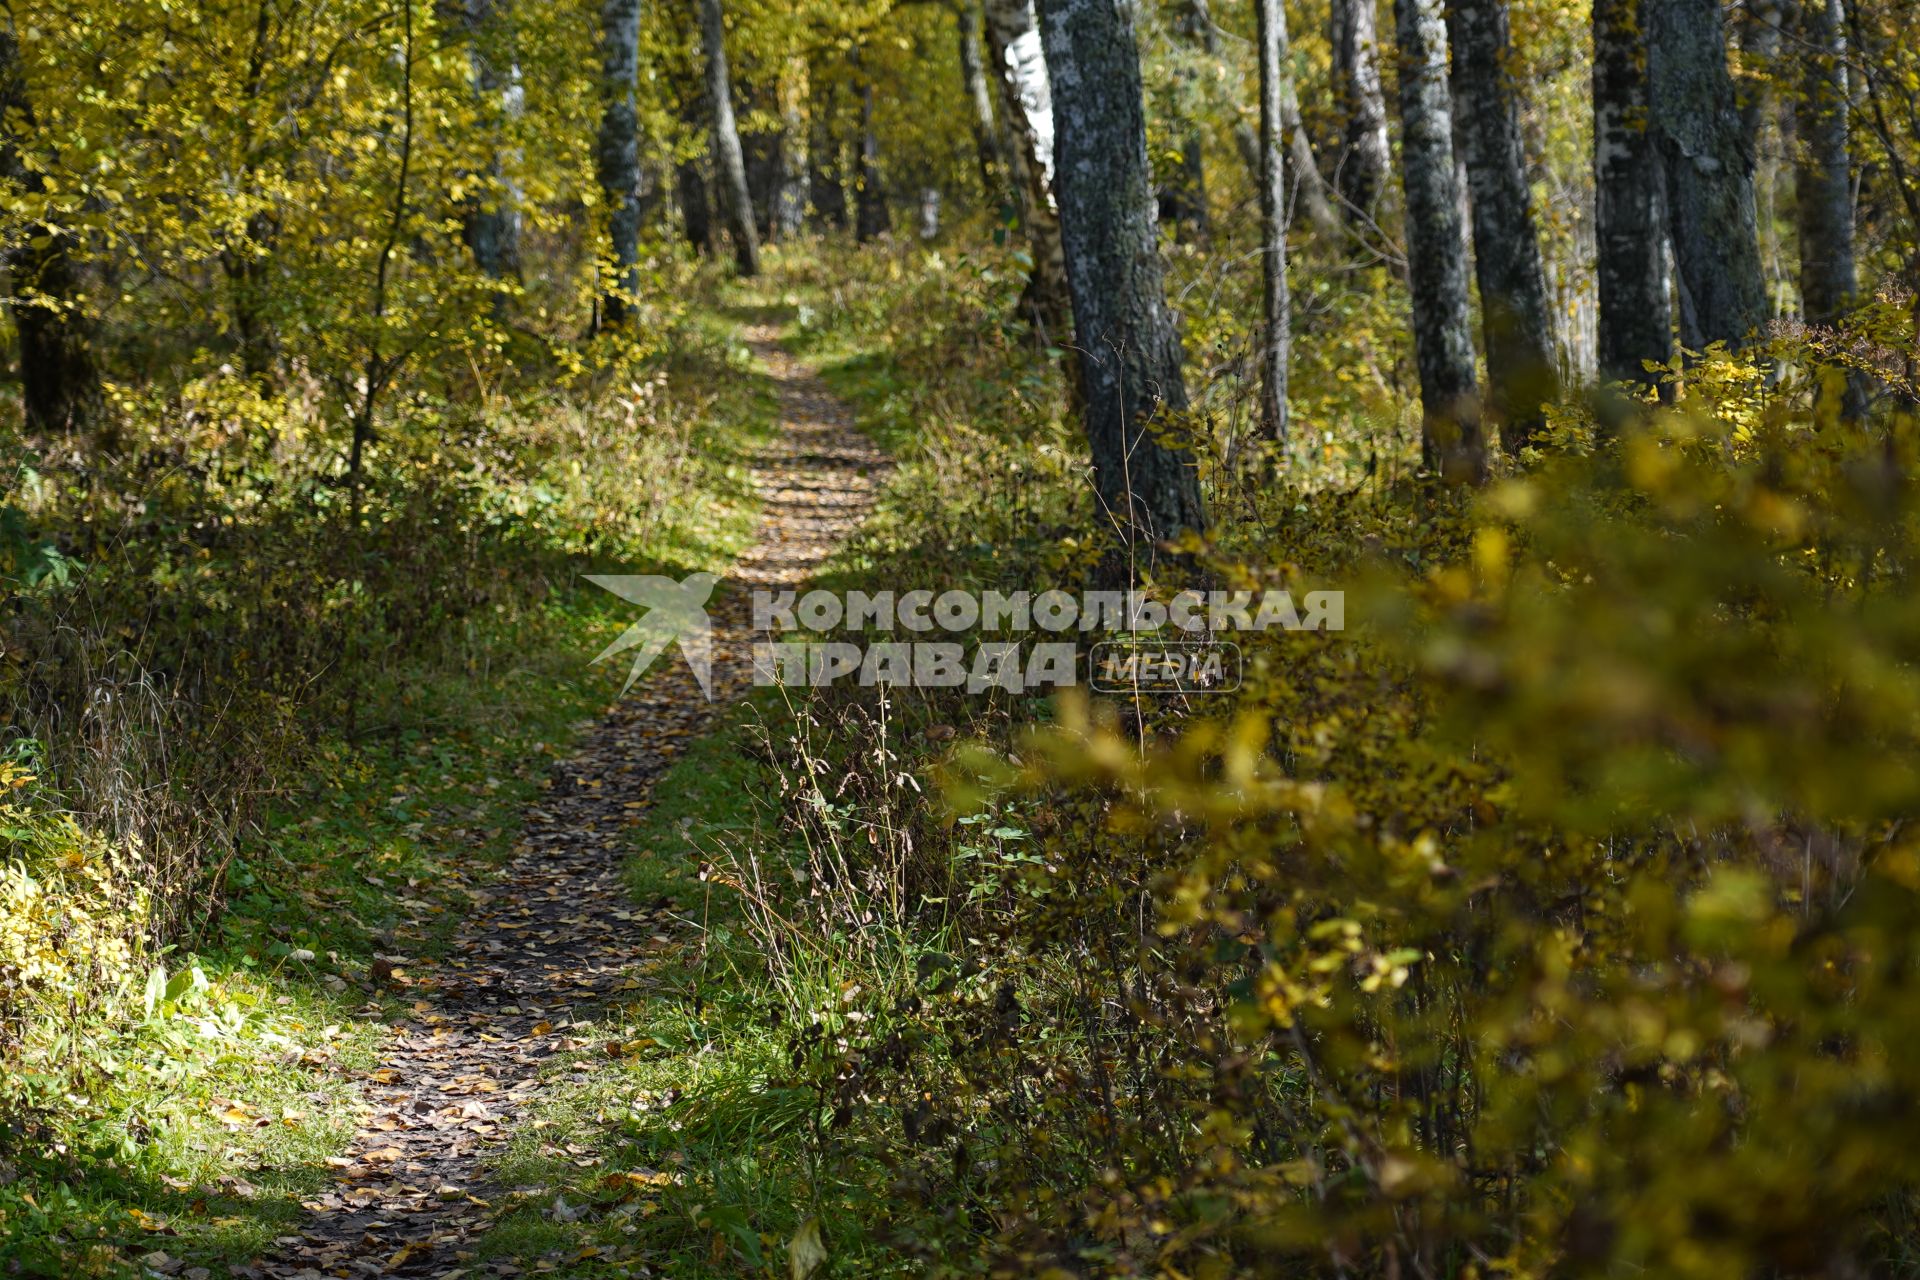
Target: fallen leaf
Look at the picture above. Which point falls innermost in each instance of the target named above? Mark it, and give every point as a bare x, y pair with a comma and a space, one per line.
806, 1251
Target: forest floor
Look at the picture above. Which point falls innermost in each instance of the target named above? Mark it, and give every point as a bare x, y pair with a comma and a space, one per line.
423, 1035
526, 993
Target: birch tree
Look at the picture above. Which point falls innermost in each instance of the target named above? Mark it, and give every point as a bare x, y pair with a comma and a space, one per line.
980, 119
493, 218
1708, 173
1361, 106
1129, 350
1276, 334
729, 164
1635, 322
618, 155
1451, 439
1027, 102
1516, 326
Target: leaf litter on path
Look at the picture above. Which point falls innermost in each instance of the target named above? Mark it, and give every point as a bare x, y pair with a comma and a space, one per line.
557, 936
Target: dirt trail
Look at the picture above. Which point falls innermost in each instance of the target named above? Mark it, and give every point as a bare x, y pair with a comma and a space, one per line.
558, 933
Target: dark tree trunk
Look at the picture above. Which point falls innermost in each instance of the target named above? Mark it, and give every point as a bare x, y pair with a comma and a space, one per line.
493, 218
59, 382
1128, 346
973, 74
1451, 439
696, 211
1026, 99
729, 166
246, 257
1823, 191
245, 264
1516, 326
1361, 173
1276, 335
826, 160
871, 218
619, 152
1760, 25
1708, 171
760, 156
1636, 324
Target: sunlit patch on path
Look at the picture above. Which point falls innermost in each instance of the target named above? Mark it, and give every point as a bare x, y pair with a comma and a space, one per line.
557, 935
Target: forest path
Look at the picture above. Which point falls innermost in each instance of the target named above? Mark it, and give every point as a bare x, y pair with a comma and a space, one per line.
553, 942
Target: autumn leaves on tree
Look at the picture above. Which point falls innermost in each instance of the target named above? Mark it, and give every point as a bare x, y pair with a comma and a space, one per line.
1067, 148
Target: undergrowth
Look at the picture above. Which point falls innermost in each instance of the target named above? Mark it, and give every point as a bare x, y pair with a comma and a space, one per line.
221, 882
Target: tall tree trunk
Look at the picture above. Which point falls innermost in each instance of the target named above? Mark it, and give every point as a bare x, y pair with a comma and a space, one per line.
871, 218
1027, 104
1451, 439
696, 211
1709, 173
1636, 325
619, 152
59, 382
790, 207
1760, 29
1128, 346
973, 74
1516, 326
245, 257
1823, 192
493, 218
1276, 336
826, 176
1361, 172
729, 165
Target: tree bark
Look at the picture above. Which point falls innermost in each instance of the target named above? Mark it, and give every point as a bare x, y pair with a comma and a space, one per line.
1823, 190
619, 152
1824, 193
1759, 50
1516, 326
1027, 104
493, 218
973, 74
1129, 349
871, 218
1708, 171
696, 211
729, 165
1276, 336
1361, 172
1635, 324
790, 199
59, 382
1451, 439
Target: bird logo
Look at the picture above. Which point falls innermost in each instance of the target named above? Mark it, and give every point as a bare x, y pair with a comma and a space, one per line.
674, 611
